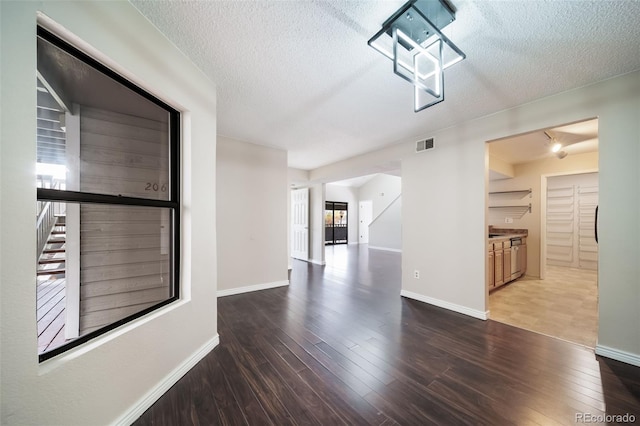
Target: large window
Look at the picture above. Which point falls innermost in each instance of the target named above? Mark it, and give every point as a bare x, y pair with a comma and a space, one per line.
108, 218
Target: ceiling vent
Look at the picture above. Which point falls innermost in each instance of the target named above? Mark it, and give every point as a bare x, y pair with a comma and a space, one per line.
424, 145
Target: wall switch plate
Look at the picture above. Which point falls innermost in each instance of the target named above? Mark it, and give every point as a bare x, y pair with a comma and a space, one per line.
416, 274
508, 220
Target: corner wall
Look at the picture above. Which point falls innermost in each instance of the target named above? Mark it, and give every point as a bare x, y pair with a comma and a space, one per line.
382, 190
252, 216
385, 193
316, 223
385, 232
114, 377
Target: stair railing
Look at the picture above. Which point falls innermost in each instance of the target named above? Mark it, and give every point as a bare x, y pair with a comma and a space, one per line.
46, 217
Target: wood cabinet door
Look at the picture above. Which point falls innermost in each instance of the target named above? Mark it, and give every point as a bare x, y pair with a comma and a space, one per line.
506, 262
498, 270
491, 268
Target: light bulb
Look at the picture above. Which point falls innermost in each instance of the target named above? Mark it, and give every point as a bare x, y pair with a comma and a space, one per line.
556, 147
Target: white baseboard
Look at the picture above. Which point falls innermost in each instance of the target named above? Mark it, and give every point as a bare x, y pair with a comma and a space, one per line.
385, 249
483, 315
618, 355
249, 288
317, 262
171, 379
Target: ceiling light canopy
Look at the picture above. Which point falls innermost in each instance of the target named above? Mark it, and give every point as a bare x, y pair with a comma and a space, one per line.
411, 38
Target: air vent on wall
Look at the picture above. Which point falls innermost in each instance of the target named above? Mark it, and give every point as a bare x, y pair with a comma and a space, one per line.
424, 144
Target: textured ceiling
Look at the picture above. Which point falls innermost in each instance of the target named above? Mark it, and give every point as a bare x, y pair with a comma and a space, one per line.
575, 138
299, 75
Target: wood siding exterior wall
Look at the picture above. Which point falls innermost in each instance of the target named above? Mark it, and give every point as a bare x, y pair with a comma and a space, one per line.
124, 250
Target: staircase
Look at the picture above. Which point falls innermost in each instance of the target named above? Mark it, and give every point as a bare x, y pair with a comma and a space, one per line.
52, 259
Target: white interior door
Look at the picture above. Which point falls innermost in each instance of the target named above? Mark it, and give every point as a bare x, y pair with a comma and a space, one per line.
571, 204
365, 215
300, 224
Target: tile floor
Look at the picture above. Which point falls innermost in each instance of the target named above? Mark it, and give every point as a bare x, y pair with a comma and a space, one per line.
564, 305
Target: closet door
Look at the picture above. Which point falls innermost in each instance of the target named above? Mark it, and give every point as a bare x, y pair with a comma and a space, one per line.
571, 204
560, 226
587, 246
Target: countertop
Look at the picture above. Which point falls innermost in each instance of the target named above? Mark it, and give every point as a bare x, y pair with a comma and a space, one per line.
503, 237
506, 234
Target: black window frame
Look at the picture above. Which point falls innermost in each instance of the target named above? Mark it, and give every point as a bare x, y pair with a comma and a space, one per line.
45, 194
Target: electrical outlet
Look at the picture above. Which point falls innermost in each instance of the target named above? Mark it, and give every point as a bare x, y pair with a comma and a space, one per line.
416, 274
508, 220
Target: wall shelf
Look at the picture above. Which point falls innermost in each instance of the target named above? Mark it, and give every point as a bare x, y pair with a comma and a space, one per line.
511, 211
521, 193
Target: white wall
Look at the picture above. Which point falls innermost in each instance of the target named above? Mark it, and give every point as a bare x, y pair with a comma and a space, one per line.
528, 175
384, 191
386, 231
316, 223
107, 380
252, 215
346, 194
445, 197
458, 161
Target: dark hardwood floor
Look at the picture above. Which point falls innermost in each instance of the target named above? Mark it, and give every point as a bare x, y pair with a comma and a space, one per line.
340, 346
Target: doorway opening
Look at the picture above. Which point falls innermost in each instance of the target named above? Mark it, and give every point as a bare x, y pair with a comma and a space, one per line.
336, 223
371, 215
543, 188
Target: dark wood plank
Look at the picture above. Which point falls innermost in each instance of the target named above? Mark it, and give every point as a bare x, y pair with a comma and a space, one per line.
340, 346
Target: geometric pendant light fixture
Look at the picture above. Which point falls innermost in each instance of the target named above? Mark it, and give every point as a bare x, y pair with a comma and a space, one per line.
413, 40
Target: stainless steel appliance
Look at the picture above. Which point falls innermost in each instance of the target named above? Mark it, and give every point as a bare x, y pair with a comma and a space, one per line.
516, 242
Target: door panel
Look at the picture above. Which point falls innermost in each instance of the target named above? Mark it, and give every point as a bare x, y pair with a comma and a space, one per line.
300, 224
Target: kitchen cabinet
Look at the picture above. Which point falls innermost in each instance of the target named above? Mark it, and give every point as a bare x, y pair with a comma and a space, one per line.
491, 268
502, 257
498, 267
506, 261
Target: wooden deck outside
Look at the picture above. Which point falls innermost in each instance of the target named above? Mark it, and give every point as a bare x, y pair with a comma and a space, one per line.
50, 293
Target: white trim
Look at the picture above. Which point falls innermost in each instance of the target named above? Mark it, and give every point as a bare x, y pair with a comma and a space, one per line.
250, 288
165, 384
618, 355
386, 249
317, 262
446, 305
